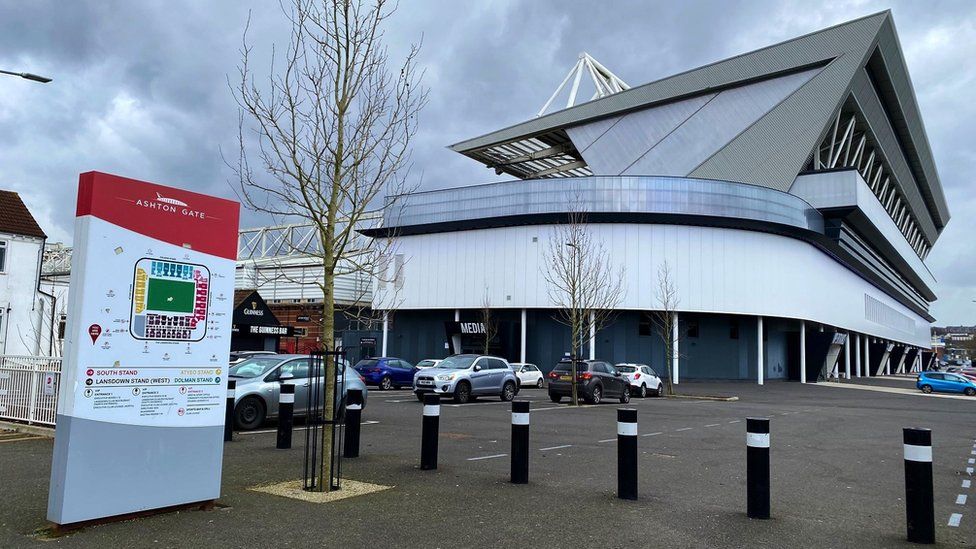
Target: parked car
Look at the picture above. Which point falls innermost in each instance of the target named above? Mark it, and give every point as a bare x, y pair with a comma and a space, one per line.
465, 377
945, 382
595, 380
259, 381
529, 375
643, 379
386, 372
426, 363
236, 357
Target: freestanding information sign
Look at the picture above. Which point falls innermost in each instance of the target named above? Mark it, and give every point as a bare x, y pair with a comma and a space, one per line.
141, 408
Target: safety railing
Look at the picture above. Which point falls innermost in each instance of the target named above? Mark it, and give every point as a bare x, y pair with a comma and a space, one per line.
29, 388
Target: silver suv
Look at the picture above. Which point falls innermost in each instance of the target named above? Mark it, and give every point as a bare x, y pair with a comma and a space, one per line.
465, 377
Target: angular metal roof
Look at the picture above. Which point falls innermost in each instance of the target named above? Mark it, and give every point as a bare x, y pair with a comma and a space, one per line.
773, 148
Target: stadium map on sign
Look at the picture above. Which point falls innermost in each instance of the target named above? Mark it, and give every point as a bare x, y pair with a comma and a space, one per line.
169, 300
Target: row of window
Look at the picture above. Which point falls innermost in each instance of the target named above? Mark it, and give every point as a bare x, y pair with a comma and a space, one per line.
647, 326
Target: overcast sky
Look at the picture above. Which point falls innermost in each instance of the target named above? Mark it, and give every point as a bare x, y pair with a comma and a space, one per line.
140, 87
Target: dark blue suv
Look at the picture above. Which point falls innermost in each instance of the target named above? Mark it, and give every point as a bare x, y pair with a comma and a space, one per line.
386, 372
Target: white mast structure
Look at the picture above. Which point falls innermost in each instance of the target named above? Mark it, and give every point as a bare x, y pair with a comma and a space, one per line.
605, 82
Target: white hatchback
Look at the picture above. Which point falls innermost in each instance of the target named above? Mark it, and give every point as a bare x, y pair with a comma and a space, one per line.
528, 375
643, 379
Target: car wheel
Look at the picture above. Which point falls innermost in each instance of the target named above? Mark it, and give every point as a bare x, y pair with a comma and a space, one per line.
660, 390
539, 384
249, 413
643, 390
625, 395
420, 396
462, 393
926, 389
555, 398
970, 391
597, 395
508, 392
386, 383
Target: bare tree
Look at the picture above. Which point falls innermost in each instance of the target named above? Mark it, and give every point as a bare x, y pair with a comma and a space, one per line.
488, 320
666, 317
331, 128
582, 283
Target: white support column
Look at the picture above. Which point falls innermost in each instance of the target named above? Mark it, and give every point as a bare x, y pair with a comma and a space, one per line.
759, 351
857, 355
675, 352
592, 335
522, 343
386, 329
803, 351
847, 356
457, 315
888, 364
867, 356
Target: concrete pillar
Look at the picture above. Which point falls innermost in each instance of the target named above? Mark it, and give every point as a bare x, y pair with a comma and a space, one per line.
675, 352
803, 351
847, 356
759, 351
888, 364
592, 335
386, 329
857, 355
522, 343
457, 315
867, 356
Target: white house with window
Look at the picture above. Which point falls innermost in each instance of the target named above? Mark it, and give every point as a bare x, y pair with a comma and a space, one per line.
25, 310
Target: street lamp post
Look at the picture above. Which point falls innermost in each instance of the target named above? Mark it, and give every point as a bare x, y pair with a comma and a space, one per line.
28, 76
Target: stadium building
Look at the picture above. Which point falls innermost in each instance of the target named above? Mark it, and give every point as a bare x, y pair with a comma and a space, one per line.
791, 190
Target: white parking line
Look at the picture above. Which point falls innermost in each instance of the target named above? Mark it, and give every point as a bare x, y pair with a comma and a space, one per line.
487, 457
961, 499
265, 431
735, 421
683, 429
969, 471
972, 461
555, 447
607, 440
652, 434
966, 483
954, 519
712, 425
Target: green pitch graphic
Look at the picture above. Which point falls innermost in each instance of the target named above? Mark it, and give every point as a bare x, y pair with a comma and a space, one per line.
170, 295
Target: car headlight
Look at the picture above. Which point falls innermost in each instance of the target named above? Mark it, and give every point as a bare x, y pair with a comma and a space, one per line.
446, 377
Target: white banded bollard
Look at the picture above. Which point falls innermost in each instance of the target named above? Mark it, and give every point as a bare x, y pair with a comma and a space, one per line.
919, 502
757, 468
627, 453
286, 415
520, 442
229, 411
428, 438
354, 416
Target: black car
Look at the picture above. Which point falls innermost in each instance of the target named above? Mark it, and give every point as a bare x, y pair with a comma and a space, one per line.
595, 380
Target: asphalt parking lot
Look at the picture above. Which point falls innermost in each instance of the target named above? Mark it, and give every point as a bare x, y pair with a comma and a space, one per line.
837, 478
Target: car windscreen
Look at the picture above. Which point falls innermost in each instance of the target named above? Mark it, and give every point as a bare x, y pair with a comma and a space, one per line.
254, 367
568, 367
365, 363
626, 369
425, 363
457, 362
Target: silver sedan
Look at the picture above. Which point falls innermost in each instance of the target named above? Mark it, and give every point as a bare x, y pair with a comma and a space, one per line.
259, 381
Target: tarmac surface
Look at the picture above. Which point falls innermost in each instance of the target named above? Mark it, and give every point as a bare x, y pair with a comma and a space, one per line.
837, 477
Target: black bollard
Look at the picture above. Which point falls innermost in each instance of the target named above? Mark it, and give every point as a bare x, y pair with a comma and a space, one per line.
428, 439
919, 501
354, 416
627, 453
286, 415
229, 413
520, 442
757, 467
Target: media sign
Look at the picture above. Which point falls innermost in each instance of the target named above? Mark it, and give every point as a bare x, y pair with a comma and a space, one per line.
141, 406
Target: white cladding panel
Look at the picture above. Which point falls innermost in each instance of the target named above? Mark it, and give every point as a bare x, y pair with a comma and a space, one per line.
715, 270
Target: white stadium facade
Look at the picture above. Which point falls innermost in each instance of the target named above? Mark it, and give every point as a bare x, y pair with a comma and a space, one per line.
791, 190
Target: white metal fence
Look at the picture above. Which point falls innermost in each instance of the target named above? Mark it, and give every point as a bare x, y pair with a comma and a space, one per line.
29, 388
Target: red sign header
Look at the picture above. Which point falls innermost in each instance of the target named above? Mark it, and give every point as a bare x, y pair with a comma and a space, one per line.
200, 222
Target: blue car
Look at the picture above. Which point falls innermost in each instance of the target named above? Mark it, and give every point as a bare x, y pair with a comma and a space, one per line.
945, 382
386, 372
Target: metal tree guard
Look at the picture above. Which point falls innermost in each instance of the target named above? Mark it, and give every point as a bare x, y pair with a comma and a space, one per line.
316, 420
